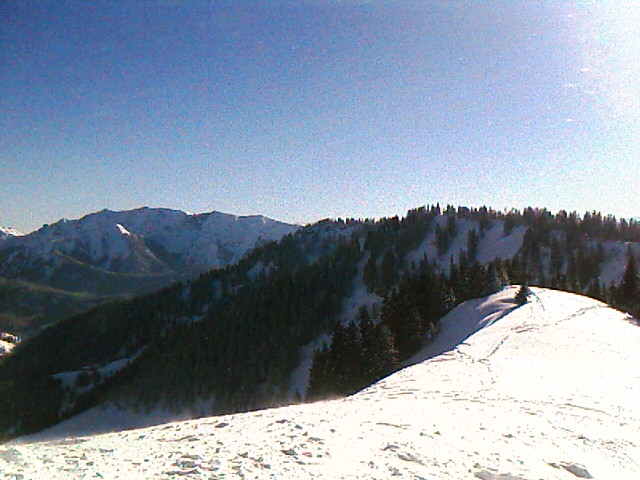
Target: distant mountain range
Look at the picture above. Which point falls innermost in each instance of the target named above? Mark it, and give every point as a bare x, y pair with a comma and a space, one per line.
72, 264
141, 241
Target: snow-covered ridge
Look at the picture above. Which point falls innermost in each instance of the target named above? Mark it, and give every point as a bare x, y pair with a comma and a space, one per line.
547, 390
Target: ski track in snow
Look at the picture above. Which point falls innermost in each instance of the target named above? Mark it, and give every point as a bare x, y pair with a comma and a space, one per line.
548, 390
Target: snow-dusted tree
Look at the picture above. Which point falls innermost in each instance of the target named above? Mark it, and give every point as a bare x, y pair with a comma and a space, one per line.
472, 243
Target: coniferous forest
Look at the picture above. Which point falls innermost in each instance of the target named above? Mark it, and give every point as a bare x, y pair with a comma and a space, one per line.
232, 338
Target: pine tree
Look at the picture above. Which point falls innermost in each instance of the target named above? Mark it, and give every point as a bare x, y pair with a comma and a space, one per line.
497, 277
523, 294
595, 290
472, 243
369, 276
452, 228
319, 374
442, 243
378, 353
388, 271
351, 365
629, 291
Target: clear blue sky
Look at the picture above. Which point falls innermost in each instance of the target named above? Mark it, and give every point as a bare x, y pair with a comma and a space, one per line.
300, 110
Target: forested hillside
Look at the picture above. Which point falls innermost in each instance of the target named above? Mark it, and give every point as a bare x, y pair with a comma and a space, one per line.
26, 306
324, 311
71, 265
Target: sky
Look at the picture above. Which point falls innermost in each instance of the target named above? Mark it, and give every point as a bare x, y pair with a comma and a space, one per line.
301, 110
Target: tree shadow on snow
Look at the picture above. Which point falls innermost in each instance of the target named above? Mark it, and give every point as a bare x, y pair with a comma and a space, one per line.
460, 324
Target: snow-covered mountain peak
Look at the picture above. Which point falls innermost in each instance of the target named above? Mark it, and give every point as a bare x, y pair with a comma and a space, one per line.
544, 390
148, 240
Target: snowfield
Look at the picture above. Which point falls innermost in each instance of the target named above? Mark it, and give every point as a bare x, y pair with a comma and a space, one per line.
549, 390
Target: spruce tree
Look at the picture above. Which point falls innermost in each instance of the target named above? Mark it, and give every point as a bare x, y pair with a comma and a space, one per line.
472, 243
629, 291
523, 294
595, 290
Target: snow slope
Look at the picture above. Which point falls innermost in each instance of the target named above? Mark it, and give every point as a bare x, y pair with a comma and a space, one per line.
490, 246
549, 390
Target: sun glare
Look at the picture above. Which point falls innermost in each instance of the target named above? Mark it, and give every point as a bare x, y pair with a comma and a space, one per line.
610, 36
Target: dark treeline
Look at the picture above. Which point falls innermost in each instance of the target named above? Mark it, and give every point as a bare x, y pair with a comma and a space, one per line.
412, 306
364, 351
243, 349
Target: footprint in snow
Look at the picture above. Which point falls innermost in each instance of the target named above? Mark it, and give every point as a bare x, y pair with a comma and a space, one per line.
486, 475
577, 470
